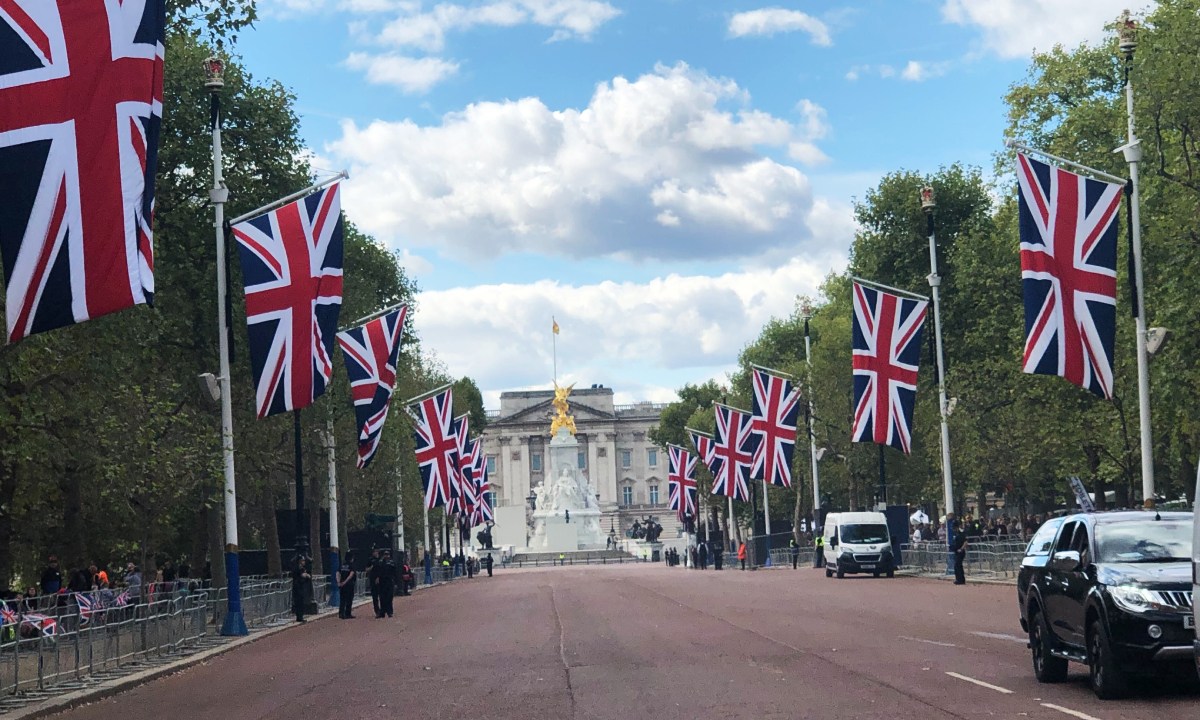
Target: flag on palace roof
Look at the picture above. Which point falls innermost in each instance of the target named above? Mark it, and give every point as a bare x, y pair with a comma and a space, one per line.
81, 87
292, 267
436, 446
1068, 228
887, 349
371, 351
775, 409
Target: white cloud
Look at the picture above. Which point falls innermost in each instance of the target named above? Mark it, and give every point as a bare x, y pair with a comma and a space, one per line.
427, 30
657, 167
673, 328
769, 21
917, 71
412, 75
1015, 28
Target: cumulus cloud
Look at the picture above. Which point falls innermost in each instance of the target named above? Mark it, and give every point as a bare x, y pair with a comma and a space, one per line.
427, 30
675, 328
1015, 28
412, 75
913, 71
769, 21
917, 71
658, 167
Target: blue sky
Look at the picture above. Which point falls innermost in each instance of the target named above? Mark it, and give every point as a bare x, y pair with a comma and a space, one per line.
662, 176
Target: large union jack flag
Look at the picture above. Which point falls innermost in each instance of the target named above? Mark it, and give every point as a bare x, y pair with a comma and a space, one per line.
1068, 273
81, 85
371, 351
483, 489
775, 408
292, 266
887, 352
467, 485
681, 481
734, 445
436, 446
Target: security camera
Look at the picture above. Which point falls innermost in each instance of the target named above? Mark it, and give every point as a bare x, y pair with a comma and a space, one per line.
210, 388
1155, 337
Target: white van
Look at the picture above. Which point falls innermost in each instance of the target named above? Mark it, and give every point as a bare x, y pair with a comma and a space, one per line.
1196, 574
858, 542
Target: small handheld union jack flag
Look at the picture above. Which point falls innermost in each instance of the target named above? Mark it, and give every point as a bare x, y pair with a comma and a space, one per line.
371, 352
292, 265
733, 447
775, 408
436, 446
887, 349
681, 481
1068, 274
81, 86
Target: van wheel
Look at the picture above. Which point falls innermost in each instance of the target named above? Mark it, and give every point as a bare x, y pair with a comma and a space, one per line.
840, 574
1107, 679
828, 572
1046, 667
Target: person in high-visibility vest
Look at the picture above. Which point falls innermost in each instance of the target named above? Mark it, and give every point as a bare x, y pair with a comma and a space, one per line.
819, 555
742, 554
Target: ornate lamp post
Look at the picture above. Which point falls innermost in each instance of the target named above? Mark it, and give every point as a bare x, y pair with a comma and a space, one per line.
234, 623
1132, 151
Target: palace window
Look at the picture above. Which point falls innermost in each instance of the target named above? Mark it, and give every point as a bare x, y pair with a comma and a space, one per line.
582, 460
491, 464
653, 494
626, 459
652, 457
626, 496
535, 462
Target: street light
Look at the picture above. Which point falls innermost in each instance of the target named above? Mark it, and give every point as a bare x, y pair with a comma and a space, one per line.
806, 312
929, 206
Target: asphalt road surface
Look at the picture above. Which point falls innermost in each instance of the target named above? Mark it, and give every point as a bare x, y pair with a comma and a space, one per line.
633, 642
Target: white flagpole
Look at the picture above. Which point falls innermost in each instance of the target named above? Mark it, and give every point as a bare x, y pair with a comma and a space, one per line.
766, 521
334, 559
294, 196
1132, 151
234, 623
812, 436
428, 559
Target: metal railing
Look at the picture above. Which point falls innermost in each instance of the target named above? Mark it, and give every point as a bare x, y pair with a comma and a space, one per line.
1000, 559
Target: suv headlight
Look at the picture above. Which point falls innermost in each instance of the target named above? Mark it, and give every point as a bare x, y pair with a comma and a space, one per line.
1132, 598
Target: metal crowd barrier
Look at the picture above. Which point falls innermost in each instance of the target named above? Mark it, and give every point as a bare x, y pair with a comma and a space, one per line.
999, 559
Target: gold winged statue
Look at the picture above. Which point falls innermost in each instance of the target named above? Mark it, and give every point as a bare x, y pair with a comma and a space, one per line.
562, 419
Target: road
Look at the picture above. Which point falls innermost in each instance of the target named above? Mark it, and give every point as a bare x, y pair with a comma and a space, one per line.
645, 641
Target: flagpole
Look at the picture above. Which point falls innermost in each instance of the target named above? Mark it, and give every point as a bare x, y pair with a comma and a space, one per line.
731, 524
766, 520
1132, 151
294, 196
929, 204
1022, 148
400, 548
806, 313
428, 559
234, 623
372, 316
414, 400
334, 559
889, 288
554, 347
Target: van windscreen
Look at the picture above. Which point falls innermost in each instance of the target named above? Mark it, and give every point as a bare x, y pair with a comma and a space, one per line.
864, 534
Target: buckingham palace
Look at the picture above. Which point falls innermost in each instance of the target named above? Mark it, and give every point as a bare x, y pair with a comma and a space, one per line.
627, 470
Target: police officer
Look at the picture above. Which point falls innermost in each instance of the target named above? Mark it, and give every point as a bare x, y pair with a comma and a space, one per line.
959, 545
387, 584
345, 580
373, 580
795, 549
487, 564
819, 555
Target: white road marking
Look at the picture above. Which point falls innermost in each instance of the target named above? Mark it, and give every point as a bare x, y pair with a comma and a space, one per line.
1001, 636
981, 683
927, 642
1069, 711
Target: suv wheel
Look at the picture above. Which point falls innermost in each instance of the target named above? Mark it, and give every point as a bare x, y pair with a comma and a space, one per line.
1107, 678
1046, 667
840, 574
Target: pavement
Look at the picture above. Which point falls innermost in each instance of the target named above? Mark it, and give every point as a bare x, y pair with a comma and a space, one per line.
647, 641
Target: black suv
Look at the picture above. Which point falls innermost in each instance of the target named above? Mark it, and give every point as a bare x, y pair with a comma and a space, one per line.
1112, 591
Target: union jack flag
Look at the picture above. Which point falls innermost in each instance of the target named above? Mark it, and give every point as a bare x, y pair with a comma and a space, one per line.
85, 604
681, 480
467, 483
887, 350
371, 352
483, 489
704, 446
292, 265
775, 408
436, 447
81, 87
1068, 274
734, 446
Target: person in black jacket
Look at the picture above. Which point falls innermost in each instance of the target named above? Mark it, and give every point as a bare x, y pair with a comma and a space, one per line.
301, 587
487, 564
386, 573
373, 580
959, 546
345, 579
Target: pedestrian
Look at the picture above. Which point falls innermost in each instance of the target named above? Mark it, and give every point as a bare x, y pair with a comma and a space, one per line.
795, 549
406, 578
702, 552
487, 564
718, 556
373, 580
133, 582
819, 551
742, 554
345, 581
567, 516
52, 579
470, 568
301, 579
695, 557
387, 584
562, 559
960, 555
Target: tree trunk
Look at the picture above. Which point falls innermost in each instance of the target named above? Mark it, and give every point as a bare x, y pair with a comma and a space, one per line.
74, 545
8, 490
343, 526
1099, 486
797, 513
1187, 470
266, 506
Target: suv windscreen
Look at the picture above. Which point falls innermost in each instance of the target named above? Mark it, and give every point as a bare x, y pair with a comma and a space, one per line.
860, 534
1144, 541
